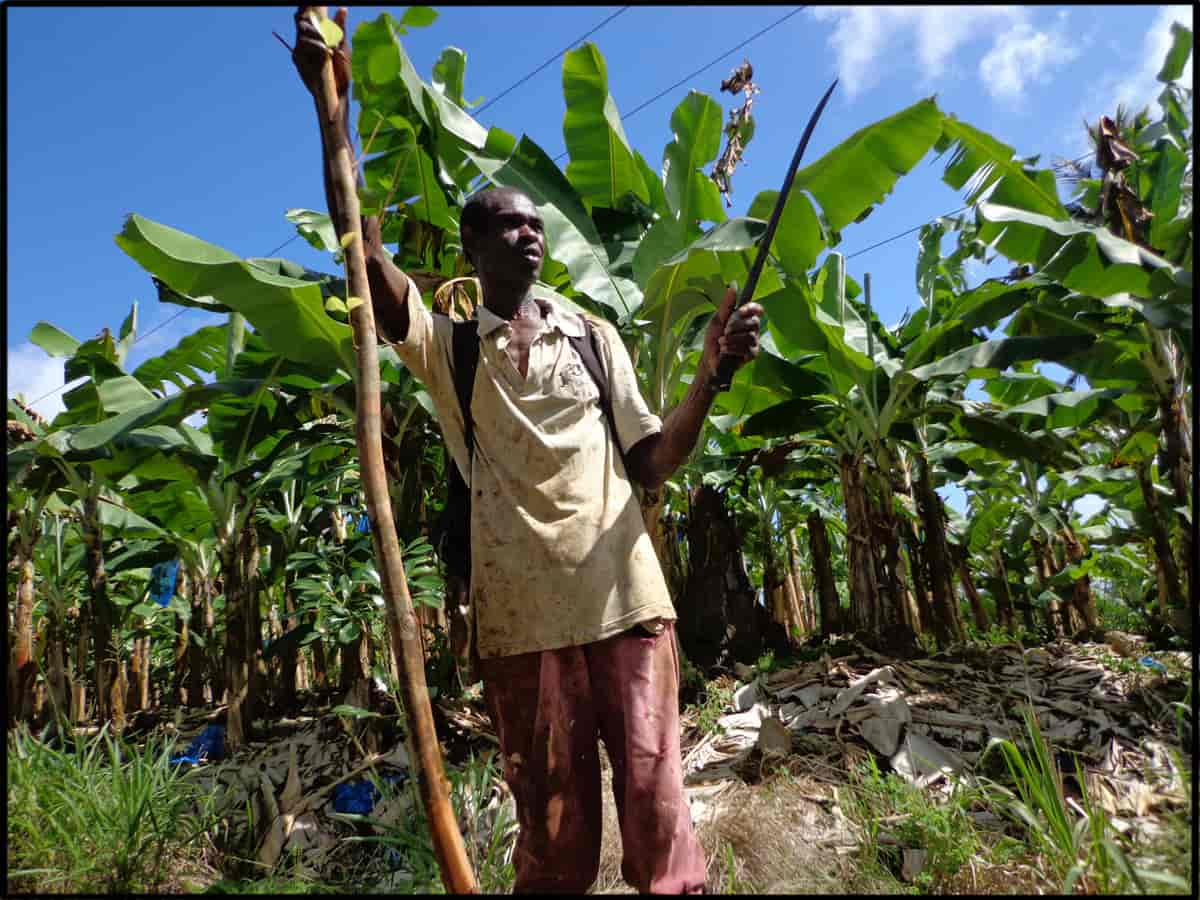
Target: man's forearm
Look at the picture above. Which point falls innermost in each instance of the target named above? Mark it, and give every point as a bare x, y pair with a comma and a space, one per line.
655, 459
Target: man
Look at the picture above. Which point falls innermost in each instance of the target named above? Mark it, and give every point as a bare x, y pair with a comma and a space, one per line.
572, 617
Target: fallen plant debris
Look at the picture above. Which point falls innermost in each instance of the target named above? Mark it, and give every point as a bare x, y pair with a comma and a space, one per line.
930, 720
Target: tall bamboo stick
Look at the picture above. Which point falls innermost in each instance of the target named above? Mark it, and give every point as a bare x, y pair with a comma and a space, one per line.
457, 874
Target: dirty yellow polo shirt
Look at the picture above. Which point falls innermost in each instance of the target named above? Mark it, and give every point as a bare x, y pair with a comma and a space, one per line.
559, 553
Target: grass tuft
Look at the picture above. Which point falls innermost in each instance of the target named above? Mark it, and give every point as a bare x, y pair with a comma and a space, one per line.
99, 816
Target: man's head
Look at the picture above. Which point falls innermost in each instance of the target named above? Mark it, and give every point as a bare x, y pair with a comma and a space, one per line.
502, 235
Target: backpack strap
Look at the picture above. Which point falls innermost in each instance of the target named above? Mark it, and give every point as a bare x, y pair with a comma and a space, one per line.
454, 541
464, 341
586, 348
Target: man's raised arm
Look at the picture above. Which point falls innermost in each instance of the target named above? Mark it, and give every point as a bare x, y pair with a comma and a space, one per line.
654, 459
389, 286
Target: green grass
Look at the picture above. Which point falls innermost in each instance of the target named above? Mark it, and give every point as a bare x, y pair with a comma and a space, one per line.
102, 816
995, 636
894, 815
1081, 846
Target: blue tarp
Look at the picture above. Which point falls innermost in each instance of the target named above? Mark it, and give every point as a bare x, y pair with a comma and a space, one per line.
364, 524
162, 581
208, 745
1151, 663
360, 796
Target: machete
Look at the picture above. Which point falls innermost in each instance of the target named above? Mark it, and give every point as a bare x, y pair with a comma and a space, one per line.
727, 365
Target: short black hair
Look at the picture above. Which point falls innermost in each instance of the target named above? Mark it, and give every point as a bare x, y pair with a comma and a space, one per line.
478, 207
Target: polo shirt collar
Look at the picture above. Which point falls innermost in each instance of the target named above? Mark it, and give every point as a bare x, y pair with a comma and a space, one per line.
554, 317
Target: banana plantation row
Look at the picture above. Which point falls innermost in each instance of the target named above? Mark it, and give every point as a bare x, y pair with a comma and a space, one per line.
816, 484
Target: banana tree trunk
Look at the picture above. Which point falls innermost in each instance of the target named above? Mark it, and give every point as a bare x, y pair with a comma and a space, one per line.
718, 621
57, 684
1004, 602
138, 696
79, 682
1046, 571
894, 608
920, 579
110, 697
792, 617
259, 678
23, 668
239, 563
968, 586
922, 615
775, 586
289, 664
355, 672
179, 668
803, 612
860, 547
947, 625
1082, 600
826, 587
456, 871
1175, 459
1162, 542
320, 659
199, 626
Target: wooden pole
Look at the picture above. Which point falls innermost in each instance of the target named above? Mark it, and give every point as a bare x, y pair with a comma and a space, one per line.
457, 874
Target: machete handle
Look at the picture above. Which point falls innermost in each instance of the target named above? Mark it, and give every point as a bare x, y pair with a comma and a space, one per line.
726, 367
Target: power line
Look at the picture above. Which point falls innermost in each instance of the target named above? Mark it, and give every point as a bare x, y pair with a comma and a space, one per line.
557, 55
708, 65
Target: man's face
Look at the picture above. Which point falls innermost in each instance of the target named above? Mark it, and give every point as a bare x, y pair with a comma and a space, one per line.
513, 244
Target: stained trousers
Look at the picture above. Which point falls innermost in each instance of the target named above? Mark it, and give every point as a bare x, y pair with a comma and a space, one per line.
549, 707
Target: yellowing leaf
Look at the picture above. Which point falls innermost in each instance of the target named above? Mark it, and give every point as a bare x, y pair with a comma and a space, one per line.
353, 303
330, 32
335, 304
349, 238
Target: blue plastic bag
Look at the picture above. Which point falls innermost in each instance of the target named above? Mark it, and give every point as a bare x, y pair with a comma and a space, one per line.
361, 795
1151, 663
163, 576
364, 524
208, 745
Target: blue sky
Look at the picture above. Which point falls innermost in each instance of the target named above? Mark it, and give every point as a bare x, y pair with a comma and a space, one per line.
194, 117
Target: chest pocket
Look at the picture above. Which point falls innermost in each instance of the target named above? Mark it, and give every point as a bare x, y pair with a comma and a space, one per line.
572, 380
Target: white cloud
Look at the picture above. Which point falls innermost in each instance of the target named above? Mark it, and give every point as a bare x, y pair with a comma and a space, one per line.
874, 42
32, 374
1141, 87
1022, 55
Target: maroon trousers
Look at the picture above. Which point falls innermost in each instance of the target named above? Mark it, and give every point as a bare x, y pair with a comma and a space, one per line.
548, 708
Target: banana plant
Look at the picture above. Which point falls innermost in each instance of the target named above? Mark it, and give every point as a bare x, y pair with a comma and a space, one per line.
1132, 301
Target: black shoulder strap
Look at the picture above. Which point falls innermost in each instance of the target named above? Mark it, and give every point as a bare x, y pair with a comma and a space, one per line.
464, 342
586, 348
